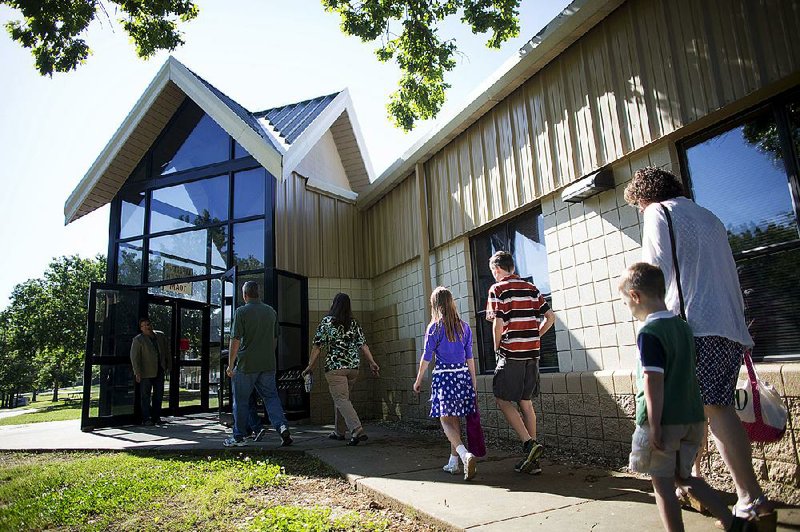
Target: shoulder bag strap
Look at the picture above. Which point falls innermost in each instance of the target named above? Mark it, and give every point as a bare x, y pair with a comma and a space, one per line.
674, 259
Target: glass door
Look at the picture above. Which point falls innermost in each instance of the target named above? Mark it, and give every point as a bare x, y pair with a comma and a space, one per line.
110, 394
291, 300
227, 306
190, 375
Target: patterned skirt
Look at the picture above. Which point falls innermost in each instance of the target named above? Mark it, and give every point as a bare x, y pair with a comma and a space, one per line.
452, 393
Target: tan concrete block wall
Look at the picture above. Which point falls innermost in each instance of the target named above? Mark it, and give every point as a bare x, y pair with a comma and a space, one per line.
589, 244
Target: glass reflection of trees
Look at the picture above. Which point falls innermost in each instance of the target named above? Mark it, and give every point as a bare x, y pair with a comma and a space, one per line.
743, 174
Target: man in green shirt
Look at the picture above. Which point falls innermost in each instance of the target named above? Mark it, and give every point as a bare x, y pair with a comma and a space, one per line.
251, 364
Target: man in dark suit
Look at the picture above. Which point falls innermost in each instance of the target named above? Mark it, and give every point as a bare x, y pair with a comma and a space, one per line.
151, 360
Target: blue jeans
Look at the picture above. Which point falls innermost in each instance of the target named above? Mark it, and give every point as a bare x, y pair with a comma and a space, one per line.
152, 386
243, 385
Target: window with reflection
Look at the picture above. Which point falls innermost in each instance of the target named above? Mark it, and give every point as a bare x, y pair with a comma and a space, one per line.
187, 254
744, 173
523, 237
191, 140
249, 189
129, 262
248, 245
194, 204
131, 215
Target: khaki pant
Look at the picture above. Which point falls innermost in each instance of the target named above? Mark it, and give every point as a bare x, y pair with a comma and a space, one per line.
340, 384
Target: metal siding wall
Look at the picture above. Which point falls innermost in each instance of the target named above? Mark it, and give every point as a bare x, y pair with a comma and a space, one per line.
317, 235
392, 229
622, 86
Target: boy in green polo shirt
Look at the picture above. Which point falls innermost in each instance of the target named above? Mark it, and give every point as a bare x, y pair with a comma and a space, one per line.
669, 410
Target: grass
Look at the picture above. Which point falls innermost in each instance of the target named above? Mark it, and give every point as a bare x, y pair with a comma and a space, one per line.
160, 491
46, 411
63, 410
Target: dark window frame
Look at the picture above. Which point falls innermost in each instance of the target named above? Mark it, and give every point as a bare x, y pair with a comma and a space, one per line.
487, 362
777, 107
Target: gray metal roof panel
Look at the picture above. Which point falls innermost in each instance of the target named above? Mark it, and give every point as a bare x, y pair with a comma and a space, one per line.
291, 120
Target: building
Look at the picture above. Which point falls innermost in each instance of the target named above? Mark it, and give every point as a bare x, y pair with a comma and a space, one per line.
536, 163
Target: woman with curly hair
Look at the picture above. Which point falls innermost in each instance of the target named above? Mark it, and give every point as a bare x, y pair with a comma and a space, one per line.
710, 299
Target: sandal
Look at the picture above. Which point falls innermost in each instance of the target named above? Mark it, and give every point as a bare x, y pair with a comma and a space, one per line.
761, 513
336, 436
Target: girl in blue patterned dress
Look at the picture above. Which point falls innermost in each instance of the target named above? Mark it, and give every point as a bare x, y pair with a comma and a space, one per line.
453, 380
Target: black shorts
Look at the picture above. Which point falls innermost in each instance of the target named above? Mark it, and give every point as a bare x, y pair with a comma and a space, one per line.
516, 380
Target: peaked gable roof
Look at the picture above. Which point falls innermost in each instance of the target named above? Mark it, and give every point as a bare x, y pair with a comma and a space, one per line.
279, 147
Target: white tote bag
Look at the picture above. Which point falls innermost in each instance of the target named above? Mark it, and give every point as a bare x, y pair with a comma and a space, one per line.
760, 406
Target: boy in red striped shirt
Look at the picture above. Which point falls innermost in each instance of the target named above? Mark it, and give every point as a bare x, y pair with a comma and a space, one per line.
521, 317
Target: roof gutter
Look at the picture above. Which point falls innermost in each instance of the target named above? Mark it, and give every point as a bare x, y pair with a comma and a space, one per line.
566, 28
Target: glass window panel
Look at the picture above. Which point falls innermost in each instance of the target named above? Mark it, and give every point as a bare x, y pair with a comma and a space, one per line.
194, 204
523, 237
194, 291
129, 262
192, 140
530, 256
290, 348
290, 301
219, 248
248, 245
131, 215
115, 323
191, 326
248, 193
178, 256
238, 151
771, 288
740, 176
113, 391
189, 386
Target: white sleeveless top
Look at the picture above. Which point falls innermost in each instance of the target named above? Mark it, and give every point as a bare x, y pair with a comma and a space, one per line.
709, 280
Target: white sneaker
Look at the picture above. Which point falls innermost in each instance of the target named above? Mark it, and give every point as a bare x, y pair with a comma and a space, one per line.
453, 469
470, 466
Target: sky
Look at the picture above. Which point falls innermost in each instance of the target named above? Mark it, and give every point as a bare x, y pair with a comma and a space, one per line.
261, 53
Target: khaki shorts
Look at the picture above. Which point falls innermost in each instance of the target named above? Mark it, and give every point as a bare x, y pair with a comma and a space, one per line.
680, 442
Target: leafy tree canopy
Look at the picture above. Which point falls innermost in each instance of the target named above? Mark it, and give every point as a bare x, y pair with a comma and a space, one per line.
421, 53
53, 29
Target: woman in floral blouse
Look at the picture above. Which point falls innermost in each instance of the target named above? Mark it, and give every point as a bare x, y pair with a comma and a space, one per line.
344, 341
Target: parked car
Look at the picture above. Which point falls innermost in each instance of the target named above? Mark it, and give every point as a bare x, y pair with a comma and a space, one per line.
21, 401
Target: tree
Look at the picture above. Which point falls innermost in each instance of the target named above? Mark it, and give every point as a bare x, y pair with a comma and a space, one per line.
53, 29
18, 335
64, 309
422, 55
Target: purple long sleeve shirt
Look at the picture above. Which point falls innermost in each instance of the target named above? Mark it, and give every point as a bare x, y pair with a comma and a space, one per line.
447, 352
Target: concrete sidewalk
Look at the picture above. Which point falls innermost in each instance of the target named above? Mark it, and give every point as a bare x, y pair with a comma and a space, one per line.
404, 470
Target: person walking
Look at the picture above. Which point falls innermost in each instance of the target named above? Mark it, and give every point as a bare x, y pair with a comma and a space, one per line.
151, 360
343, 339
520, 316
669, 410
251, 364
688, 242
453, 381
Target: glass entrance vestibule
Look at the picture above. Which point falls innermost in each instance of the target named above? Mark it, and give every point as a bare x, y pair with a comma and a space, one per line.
196, 208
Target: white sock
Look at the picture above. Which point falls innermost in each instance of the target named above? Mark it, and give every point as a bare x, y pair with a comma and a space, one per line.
453, 462
462, 452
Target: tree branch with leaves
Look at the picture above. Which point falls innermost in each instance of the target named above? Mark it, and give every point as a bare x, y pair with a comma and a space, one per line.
53, 29
421, 53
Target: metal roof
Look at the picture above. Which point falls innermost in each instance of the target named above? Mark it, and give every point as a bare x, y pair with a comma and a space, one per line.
291, 120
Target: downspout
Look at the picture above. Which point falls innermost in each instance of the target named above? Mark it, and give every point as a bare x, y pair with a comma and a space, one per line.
424, 240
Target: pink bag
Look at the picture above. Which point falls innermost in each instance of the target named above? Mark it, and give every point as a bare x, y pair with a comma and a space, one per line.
475, 441
760, 407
